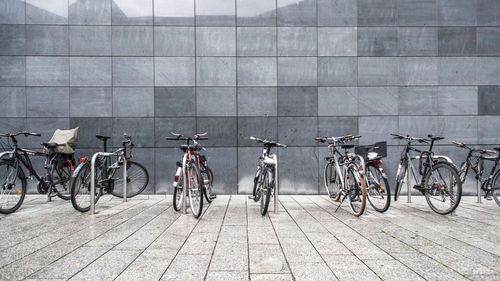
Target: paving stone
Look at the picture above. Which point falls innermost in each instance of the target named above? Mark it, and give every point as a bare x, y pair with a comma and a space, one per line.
267, 259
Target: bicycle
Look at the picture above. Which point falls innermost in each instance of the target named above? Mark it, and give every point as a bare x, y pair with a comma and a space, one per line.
199, 175
377, 184
343, 174
439, 180
13, 188
264, 180
106, 167
474, 161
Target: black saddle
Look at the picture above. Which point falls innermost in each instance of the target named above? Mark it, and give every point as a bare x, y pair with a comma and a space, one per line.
347, 146
50, 144
103, 138
435, 137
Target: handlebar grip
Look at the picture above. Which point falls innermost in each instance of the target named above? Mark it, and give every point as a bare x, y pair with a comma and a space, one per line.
253, 138
203, 138
171, 138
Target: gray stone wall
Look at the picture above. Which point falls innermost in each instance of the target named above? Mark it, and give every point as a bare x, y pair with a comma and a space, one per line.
287, 70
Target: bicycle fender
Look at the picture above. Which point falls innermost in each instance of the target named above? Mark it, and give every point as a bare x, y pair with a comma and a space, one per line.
270, 177
382, 171
7, 154
78, 168
257, 175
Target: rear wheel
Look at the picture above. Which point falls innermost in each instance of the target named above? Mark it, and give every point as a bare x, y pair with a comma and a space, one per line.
378, 191
80, 188
137, 180
495, 187
177, 200
356, 189
399, 179
195, 190
207, 177
331, 180
443, 188
268, 184
61, 178
257, 185
12, 188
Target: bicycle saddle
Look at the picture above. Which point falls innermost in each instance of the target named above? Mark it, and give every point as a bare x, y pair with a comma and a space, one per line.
103, 138
50, 144
347, 146
435, 137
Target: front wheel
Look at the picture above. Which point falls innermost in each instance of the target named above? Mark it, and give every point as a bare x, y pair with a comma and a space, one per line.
400, 179
195, 190
331, 180
495, 187
443, 188
356, 189
80, 188
13, 187
207, 177
137, 180
378, 193
265, 196
257, 185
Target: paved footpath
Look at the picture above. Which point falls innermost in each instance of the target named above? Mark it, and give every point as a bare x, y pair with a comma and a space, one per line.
145, 239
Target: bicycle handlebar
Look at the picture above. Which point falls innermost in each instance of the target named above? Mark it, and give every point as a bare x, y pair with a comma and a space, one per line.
268, 142
21, 133
410, 139
334, 140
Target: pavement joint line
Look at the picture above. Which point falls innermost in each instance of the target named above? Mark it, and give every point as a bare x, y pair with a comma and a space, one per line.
121, 240
183, 243
444, 246
328, 212
81, 229
154, 240
217, 239
279, 243
322, 258
83, 245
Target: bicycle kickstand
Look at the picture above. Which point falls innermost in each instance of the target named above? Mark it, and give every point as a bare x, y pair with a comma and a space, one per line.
345, 196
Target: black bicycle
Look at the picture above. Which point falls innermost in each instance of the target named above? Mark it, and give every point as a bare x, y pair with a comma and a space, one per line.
490, 185
265, 178
55, 181
377, 186
108, 176
198, 175
439, 182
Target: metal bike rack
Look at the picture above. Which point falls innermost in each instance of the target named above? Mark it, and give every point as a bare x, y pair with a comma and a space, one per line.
479, 165
408, 188
92, 177
277, 185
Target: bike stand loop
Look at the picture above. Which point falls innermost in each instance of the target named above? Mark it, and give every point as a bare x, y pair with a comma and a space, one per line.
277, 183
92, 177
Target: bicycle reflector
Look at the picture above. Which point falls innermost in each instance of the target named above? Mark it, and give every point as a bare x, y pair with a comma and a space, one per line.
377, 162
83, 159
176, 178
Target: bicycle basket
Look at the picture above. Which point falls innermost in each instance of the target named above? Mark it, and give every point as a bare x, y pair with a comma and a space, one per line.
373, 151
67, 140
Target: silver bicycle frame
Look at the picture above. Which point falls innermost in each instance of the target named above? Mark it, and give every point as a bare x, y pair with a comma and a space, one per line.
92, 176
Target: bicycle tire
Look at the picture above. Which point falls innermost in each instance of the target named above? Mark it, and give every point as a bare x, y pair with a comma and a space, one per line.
495, 187
356, 210
464, 169
333, 190
80, 188
399, 179
430, 192
136, 175
63, 189
256, 194
19, 190
207, 191
177, 197
195, 190
378, 190
266, 192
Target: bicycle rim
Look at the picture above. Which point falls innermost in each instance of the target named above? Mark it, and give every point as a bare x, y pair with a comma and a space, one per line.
137, 180
495, 187
443, 188
356, 189
195, 191
378, 191
12, 188
207, 184
80, 189
331, 180
265, 194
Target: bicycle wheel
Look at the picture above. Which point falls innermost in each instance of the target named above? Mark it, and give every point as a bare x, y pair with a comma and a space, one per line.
13, 187
399, 179
442, 188
495, 187
464, 168
257, 185
80, 188
356, 189
378, 191
61, 178
266, 192
195, 190
207, 177
137, 180
177, 199
331, 180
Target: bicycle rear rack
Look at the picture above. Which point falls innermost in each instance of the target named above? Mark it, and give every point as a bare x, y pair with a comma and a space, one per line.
92, 177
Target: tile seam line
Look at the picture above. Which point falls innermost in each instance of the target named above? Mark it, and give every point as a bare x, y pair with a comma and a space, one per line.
82, 245
316, 204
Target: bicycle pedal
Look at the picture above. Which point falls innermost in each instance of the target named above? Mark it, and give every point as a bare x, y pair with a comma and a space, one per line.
418, 187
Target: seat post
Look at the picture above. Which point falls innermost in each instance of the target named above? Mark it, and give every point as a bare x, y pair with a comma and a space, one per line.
105, 145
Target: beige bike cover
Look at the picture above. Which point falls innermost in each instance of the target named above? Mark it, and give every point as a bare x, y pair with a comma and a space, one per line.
67, 140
